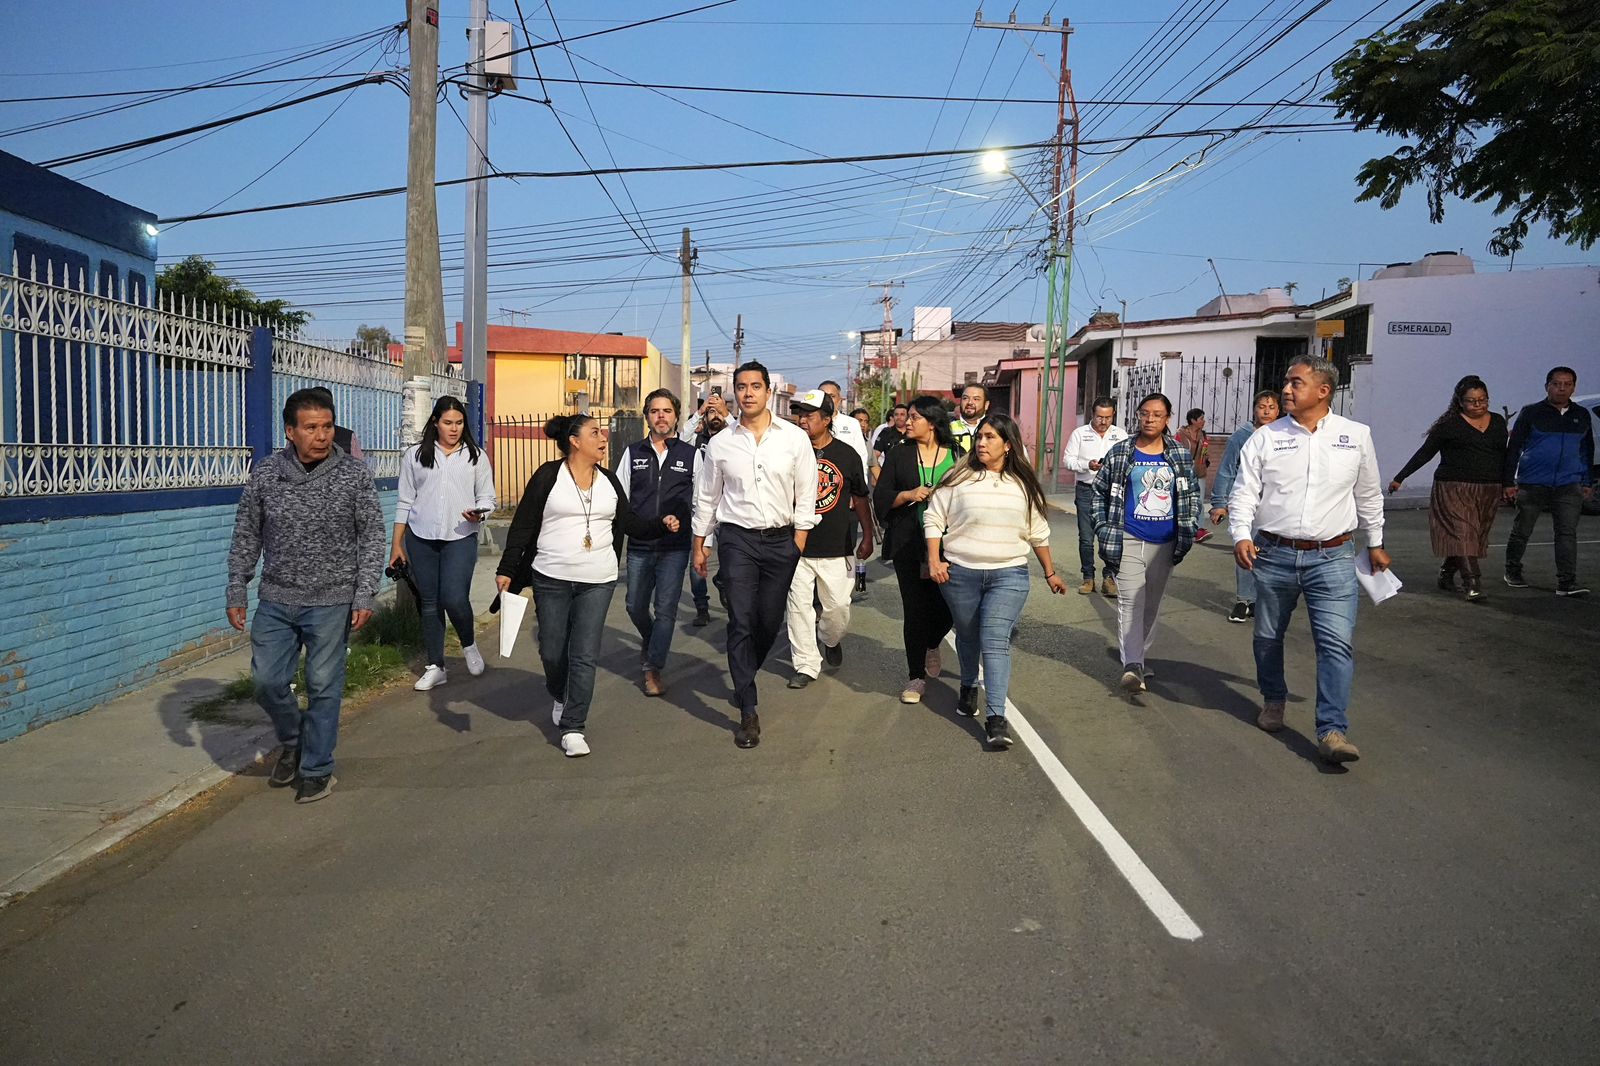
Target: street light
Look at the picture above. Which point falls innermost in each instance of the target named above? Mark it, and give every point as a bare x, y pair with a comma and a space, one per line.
995, 162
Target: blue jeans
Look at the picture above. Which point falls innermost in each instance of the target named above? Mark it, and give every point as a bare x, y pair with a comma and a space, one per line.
1244, 585
277, 633
655, 578
442, 570
571, 617
985, 606
1083, 503
1327, 578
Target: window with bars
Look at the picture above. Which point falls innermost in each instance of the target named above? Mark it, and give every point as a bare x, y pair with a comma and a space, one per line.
613, 380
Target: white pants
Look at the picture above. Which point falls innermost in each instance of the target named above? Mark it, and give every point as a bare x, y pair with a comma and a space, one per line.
832, 581
1141, 581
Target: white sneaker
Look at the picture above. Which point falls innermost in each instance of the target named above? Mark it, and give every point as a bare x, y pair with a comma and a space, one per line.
432, 677
556, 712
574, 745
474, 659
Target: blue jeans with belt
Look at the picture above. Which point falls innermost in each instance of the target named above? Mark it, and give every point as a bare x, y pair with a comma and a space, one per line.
655, 585
984, 606
1327, 579
277, 633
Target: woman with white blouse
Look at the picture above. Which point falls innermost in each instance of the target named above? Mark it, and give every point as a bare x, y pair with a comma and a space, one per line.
981, 522
446, 490
565, 541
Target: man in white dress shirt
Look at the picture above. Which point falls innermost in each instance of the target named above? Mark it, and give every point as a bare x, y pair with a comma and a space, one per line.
1306, 483
759, 491
1086, 447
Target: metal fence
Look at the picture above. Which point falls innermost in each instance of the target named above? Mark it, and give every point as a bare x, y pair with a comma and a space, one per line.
518, 446
119, 392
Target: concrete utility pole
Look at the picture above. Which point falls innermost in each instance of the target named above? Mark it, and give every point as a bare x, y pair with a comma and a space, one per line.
886, 357
1059, 273
686, 257
738, 338
424, 323
475, 243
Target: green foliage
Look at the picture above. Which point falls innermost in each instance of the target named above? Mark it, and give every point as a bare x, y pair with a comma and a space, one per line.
374, 337
1501, 102
196, 278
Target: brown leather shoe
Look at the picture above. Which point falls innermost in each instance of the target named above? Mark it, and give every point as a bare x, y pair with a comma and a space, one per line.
1335, 748
652, 683
1271, 717
748, 735
1108, 587
1087, 587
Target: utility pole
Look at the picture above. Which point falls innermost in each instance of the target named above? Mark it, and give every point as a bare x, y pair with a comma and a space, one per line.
686, 257
475, 242
738, 339
1059, 271
424, 322
886, 356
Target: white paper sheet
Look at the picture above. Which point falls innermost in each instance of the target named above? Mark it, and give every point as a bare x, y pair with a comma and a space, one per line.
1379, 586
512, 610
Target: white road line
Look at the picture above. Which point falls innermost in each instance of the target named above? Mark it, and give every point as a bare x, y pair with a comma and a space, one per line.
1547, 543
1154, 894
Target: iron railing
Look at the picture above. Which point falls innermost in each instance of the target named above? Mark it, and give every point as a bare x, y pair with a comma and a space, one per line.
366, 386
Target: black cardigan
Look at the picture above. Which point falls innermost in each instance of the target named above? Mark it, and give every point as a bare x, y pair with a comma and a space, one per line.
1464, 453
899, 473
522, 540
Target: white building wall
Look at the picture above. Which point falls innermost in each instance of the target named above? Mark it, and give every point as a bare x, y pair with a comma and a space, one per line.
1508, 328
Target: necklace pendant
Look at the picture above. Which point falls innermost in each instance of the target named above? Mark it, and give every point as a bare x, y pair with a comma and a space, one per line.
588, 542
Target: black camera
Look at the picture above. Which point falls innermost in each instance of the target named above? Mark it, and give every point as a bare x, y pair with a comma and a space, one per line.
400, 571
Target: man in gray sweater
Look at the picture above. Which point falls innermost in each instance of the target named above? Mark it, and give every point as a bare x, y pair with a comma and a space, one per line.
312, 511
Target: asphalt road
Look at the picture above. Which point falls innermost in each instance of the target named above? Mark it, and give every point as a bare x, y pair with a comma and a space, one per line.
870, 885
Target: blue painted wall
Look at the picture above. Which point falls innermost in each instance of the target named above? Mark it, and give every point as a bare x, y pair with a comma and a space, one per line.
100, 604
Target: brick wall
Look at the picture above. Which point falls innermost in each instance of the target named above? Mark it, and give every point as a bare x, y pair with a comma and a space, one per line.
98, 605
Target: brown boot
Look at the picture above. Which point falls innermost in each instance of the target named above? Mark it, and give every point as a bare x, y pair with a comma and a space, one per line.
1335, 748
1271, 717
1108, 587
1087, 587
652, 683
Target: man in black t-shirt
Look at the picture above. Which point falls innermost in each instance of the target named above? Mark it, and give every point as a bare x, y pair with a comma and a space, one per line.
826, 572
890, 434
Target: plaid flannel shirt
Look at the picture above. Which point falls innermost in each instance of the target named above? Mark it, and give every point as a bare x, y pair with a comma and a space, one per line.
1111, 494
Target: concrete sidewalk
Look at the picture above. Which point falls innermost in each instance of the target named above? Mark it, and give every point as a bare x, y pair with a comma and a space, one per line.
71, 789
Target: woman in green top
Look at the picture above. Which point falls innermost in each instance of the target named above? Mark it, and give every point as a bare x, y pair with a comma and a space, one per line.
910, 470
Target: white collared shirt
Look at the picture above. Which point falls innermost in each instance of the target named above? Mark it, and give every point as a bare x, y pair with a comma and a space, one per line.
624, 470
847, 429
1084, 446
432, 498
758, 485
1308, 486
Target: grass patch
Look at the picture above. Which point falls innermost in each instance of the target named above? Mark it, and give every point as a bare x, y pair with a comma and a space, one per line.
218, 709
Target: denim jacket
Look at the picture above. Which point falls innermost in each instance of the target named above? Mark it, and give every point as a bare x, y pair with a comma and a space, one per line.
1111, 494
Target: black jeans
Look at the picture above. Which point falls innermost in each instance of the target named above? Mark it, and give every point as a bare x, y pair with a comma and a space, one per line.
1083, 503
757, 566
1564, 504
925, 616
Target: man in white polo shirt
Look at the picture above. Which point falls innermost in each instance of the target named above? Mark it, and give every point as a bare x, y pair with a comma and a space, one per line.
1306, 483
759, 491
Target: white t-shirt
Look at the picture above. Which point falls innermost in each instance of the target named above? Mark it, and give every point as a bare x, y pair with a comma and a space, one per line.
568, 513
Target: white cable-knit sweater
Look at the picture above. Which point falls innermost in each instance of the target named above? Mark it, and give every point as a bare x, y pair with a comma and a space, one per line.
985, 522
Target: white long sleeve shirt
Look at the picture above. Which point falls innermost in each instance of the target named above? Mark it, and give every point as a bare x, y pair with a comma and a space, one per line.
765, 484
1308, 485
432, 498
848, 430
1084, 446
985, 522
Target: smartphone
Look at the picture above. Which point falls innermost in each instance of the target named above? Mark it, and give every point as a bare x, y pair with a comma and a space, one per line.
716, 390
482, 512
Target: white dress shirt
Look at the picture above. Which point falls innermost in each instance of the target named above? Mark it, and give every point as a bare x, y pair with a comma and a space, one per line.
624, 472
568, 515
1084, 446
1307, 485
764, 484
432, 498
847, 429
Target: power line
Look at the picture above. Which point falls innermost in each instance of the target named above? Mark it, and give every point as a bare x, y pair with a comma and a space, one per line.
563, 41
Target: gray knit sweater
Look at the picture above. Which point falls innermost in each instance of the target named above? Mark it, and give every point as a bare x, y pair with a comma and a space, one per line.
322, 533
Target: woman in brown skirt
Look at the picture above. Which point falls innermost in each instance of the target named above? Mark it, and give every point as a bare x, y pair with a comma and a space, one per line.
1470, 442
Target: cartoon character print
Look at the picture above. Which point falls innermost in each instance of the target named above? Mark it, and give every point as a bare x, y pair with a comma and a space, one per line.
830, 486
1155, 498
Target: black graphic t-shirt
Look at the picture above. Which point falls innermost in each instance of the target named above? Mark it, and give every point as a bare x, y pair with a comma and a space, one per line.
839, 477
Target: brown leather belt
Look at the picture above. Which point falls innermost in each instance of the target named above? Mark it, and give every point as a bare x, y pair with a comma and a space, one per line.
1302, 545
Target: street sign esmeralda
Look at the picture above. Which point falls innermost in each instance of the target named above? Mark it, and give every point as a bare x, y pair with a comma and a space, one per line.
1420, 329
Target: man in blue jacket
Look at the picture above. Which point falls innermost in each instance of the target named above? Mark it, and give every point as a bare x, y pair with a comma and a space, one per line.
657, 474
1550, 466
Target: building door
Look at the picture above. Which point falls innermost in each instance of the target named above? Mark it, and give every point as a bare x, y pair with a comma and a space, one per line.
1273, 356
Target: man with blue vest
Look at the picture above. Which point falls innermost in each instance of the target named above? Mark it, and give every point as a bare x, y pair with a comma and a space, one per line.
657, 475
1550, 467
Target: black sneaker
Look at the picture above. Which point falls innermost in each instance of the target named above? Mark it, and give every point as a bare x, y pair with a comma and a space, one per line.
967, 702
998, 732
314, 788
702, 617
1250, 609
800, 680
833, 656
1571, 588
286, 769
1240, 612
1515, 580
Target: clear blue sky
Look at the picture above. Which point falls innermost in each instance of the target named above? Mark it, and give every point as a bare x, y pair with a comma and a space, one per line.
792, 249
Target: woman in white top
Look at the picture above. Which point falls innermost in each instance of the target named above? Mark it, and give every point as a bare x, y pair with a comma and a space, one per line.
981, 522
446, 489
565, 541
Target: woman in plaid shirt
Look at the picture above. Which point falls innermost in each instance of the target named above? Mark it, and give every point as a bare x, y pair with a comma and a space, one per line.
1146, 513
